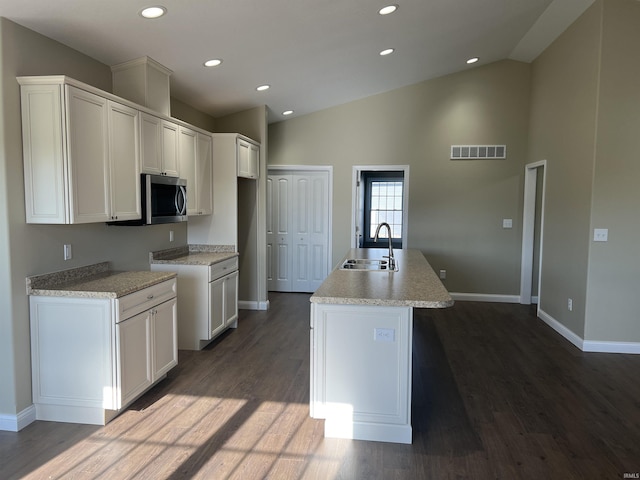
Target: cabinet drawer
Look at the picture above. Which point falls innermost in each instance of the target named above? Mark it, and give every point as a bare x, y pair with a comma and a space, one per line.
223, 268
145, 299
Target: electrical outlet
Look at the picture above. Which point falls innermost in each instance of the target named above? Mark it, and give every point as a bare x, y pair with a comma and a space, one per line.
507, 223
68, 254
384, 334
600, 234
570, 305
443, 274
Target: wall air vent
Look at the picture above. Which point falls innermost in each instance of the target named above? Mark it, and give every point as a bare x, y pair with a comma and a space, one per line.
478, 152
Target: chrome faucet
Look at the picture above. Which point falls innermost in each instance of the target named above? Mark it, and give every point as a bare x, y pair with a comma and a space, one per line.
392, 260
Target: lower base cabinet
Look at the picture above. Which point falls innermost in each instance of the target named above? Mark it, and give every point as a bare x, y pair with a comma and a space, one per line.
208, 300
93, 357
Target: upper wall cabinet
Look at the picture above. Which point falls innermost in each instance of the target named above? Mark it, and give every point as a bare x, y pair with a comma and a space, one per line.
159, 146
80, 150
194, 160
248, 154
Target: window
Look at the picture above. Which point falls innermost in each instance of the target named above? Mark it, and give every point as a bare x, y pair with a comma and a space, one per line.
383, 194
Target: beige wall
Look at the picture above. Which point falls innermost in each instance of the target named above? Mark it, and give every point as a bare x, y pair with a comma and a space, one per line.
563, 128
614, 267
455, 207
32, 249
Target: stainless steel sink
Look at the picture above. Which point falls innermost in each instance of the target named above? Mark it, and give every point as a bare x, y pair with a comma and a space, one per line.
366, 264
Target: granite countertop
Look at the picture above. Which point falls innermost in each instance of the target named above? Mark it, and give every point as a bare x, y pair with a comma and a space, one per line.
415, 284
93, 281
193, 255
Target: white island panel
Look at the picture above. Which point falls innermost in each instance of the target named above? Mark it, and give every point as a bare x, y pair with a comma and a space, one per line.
361, 383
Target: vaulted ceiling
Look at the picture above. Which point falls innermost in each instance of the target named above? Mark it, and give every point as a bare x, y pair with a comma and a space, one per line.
313, 54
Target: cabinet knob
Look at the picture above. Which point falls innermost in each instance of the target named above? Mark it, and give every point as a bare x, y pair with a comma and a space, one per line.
149, 297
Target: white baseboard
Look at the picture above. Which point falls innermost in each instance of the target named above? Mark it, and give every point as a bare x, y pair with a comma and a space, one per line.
560, 328
589, 345
15, 423
611, 347
253, 305
534, 300
484, 297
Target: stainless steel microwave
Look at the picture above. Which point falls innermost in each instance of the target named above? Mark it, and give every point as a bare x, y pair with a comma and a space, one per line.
163, 200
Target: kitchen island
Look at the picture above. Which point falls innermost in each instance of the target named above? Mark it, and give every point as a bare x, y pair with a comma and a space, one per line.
361, 345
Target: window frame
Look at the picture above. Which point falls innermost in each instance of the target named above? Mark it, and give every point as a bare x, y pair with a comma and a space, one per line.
367, 178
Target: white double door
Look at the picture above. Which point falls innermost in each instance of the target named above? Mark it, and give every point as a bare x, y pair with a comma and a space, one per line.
297, 230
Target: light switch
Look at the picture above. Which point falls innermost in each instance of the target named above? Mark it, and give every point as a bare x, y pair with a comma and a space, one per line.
600, 234
507, 223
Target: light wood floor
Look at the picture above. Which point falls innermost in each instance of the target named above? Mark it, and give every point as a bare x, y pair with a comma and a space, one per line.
497, 394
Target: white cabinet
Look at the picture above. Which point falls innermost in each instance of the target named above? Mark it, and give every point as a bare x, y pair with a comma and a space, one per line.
208, 300
204, 179
195, 160
248, 157
158, 146
80, 155
91, 357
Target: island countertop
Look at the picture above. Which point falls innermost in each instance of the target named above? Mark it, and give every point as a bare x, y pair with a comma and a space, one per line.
415, 284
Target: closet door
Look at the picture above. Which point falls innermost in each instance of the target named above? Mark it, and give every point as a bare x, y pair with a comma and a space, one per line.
310, 220
278, 232
297, 230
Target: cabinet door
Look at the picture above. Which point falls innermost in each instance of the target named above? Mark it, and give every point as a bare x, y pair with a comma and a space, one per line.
254, 160
204, 180
216, 307
165, 338
170, 149
134, 356
230, 298
150, 144
44, 154
87, 143
187, 166
124, 162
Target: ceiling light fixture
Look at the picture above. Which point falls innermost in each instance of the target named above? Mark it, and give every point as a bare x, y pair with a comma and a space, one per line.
387, 51
388, 9
153, 12
473, 60
213, 63
262, 88
287, 112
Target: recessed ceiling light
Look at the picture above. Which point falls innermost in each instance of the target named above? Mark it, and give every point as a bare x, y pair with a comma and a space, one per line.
473, 60
262, 88
387, 51
287, 112
213, 63
388, 9
153, 12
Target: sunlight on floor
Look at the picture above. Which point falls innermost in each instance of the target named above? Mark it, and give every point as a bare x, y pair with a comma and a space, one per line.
204, 437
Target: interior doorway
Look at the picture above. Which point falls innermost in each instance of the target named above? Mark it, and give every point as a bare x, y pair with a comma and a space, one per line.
532, 230
299, 202
380, 193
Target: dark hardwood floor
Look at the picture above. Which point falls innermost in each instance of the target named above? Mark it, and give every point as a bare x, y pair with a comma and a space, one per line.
496, 394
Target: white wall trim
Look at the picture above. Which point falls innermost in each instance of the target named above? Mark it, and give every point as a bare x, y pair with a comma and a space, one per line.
484, 297
560, 328
589, 345
253, 305
528, 228
611, 347
15, 423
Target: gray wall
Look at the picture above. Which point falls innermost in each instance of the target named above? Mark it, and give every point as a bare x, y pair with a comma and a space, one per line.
613, 280
33, 249
455, 207
563, 127
585, 123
